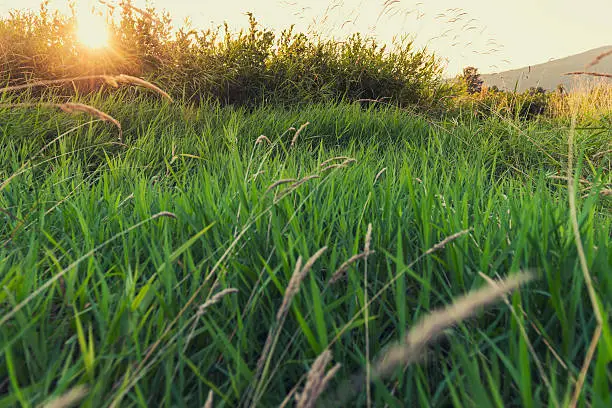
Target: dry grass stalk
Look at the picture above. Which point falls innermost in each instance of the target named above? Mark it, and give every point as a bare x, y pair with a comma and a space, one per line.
131, 80
317, 381
52, 82
338, 165
299, 273
69, 399
583, 265
292, 289
339, 273
326, 162
595, 74
445, 241
164, 214
380, 100
546, 343
368, 240
307, 266
295, 137
131, 379
434, 324
112, 80
71, 108
344, 267
278, 183
413, 347
302, 181
209, 400
603, 193
380, 173
330, 167
263, 138
293, 394
215, 299
599, 58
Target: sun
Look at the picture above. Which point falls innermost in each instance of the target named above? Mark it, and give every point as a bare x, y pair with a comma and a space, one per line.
92, 30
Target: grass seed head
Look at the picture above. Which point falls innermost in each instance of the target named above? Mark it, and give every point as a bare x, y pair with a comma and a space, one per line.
69, 399
278, 183
215, 299
295, 137
128, 79
338, 165
435, 323
326, 162
317, 381
209, 400
263, 138
380, 173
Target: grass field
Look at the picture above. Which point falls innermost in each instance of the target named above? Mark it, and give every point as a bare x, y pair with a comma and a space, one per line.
155, 271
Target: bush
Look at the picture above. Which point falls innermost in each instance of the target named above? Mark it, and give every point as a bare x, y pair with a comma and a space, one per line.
246, 68
494, 102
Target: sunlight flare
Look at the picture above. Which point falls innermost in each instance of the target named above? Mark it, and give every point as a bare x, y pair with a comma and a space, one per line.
92, 29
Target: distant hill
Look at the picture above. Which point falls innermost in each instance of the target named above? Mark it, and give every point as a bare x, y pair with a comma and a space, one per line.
549, 74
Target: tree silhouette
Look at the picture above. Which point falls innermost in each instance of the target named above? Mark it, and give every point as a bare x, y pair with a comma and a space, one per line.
561, 89
472, 80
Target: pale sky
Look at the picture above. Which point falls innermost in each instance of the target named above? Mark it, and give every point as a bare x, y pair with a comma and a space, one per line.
491, 35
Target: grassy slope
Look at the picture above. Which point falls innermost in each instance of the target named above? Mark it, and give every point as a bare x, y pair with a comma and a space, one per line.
127, 314
550, 74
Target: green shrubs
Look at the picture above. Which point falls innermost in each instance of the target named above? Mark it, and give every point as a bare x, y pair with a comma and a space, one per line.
470, 95
526, 105
250, 67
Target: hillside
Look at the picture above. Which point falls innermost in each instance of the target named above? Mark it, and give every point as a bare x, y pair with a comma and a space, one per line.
548, 75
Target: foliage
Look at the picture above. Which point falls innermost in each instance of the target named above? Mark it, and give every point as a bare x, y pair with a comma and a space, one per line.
245, 68
472, 80
488, 102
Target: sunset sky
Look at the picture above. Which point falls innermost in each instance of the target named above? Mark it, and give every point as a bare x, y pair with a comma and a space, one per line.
493, 36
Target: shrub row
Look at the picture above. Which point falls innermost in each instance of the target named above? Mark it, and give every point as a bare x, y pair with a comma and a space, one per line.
249, 67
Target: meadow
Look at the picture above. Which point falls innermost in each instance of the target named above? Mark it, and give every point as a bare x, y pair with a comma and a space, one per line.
224, 254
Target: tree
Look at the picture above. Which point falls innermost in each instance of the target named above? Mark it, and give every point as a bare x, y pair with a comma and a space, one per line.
536, 91
472, 80
561, 89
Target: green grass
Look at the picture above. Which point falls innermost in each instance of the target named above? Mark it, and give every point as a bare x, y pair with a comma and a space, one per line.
101, 286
